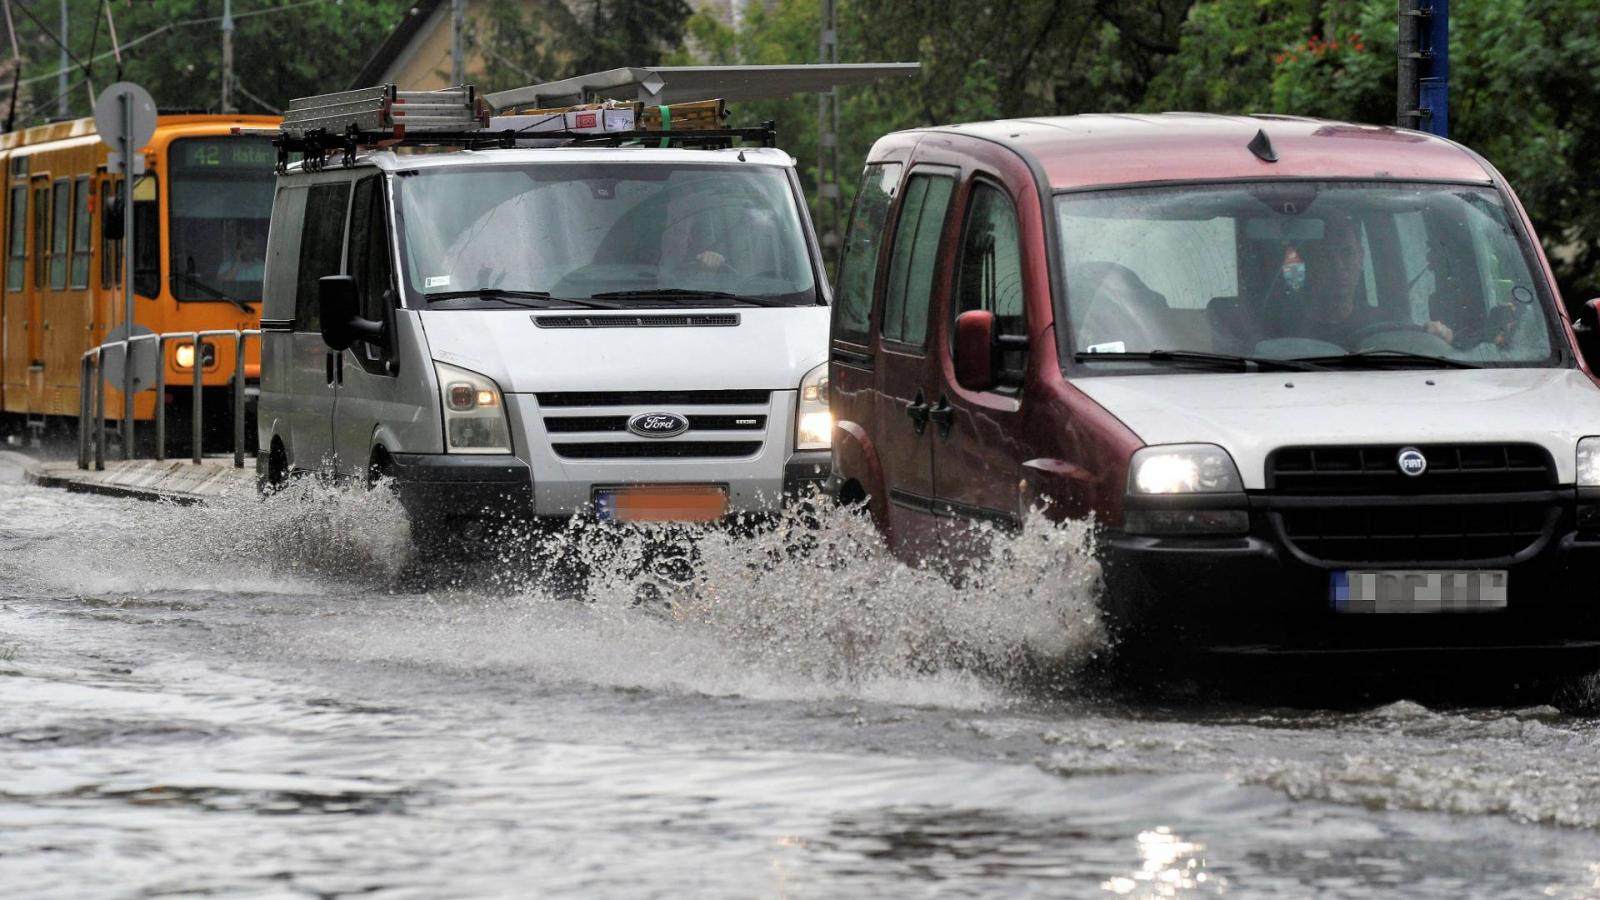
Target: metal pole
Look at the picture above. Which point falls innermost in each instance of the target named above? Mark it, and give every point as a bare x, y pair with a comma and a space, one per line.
227, 56
828, 192
199, 387
238, 400
1433, 88
128, 151
100, 408
458, 24
1406, 114
61, 79
161, 397
85, 400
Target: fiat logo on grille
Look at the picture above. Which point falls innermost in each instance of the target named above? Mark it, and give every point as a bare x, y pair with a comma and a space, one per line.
1412, 462
658, 425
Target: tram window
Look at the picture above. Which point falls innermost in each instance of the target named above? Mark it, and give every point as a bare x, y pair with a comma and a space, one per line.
80, 233
321, 248
110, 241
17, 239
59, 234
146, 238
41, 233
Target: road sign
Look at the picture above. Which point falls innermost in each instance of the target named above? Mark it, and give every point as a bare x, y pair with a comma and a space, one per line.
143, 374
125, 117
108, 115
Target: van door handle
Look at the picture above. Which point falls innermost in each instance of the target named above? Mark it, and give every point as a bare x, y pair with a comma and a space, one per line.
917, 412
943, 416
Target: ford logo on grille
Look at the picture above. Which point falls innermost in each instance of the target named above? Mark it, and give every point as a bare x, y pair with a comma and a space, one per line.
658, 425
1412, 462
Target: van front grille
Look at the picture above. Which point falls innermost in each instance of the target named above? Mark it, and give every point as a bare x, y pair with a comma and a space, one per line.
664, 449
580, 424
1417, 533
703, 320
1452, 469
654, 398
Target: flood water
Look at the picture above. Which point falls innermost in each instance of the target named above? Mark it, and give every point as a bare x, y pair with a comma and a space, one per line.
266, 699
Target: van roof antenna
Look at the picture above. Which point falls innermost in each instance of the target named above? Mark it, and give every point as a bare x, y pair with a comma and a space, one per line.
1261, 146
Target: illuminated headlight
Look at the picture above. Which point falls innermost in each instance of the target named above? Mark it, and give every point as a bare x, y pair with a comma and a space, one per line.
1183, 469
813, 422
474, 412
1589, 462
183, 355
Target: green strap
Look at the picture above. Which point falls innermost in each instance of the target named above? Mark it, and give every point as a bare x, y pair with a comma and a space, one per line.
666, 125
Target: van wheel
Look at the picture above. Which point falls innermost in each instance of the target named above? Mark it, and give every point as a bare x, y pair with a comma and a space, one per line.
277, 472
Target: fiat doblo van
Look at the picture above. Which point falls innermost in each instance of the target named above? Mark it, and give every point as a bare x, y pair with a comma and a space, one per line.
1313, 381
628, 332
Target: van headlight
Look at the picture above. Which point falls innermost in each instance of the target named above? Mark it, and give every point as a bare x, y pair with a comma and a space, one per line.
1185, 489
1589, 462
813, 426
474, 412
1183, 469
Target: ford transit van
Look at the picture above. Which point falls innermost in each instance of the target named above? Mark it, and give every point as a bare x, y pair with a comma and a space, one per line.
628, 332
1313, 381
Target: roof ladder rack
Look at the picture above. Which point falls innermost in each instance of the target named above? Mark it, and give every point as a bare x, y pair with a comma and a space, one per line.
385, 108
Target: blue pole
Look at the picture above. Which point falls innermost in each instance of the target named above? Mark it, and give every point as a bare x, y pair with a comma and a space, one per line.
1433, 89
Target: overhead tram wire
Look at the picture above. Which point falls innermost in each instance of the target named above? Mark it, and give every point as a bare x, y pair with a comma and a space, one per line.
171, 26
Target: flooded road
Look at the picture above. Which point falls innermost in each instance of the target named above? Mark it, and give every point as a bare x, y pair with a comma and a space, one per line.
262, 699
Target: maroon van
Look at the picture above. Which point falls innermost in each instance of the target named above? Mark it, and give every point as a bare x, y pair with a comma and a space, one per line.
1310, 379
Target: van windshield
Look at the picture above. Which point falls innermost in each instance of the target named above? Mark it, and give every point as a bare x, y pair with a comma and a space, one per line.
1333, 272
625, 233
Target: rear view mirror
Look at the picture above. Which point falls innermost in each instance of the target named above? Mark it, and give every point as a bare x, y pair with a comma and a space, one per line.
339, 312
975, 350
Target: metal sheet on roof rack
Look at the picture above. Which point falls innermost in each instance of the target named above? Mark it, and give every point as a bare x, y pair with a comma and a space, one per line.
674, 84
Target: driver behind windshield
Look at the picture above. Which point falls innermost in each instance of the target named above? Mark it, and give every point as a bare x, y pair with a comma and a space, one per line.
1330, 302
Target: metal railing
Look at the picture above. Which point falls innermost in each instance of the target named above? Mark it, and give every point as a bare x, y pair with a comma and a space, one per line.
92, 393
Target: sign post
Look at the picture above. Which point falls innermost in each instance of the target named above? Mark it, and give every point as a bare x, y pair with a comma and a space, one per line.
125, 117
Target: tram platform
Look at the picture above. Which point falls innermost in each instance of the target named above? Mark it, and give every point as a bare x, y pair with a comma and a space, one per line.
178, 481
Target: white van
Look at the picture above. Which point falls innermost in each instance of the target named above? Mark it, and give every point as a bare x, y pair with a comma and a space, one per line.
628, 332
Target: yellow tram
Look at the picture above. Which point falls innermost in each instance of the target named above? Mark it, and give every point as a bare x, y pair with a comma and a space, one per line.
200, 216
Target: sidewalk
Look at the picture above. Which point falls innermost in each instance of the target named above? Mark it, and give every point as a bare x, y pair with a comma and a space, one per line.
180, 481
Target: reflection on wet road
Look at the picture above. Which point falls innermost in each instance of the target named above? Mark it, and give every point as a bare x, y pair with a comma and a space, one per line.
285, 709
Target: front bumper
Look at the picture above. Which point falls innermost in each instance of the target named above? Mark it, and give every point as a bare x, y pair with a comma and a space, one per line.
450, 486
1260, 590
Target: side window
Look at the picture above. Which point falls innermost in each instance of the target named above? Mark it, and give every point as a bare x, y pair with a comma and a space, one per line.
990, 274
368, 258
913, 257
80, 233
61, 202
146, 238
17, 239
110, 240
279, 287
858, 266
321, 246
41, 233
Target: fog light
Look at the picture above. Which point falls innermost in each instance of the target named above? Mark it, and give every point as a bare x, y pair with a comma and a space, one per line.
1186, 521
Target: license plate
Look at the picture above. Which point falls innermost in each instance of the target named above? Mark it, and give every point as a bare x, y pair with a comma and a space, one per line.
1415, 591
661, 503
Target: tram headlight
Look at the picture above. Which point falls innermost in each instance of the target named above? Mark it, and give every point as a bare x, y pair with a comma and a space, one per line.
474, 412
183, 355
813, 428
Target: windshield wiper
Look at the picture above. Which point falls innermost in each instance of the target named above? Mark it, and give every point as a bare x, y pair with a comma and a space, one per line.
684, 294
512, 298
1223, 361
216, 293
1381, 357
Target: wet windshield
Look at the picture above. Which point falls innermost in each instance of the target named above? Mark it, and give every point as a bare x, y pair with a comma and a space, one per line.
1302, 270
623, 233
221, 200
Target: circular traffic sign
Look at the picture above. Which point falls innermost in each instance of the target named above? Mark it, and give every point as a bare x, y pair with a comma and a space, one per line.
108, 115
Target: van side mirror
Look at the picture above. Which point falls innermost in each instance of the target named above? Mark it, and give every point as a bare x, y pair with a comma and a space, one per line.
339, 311
975, 346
